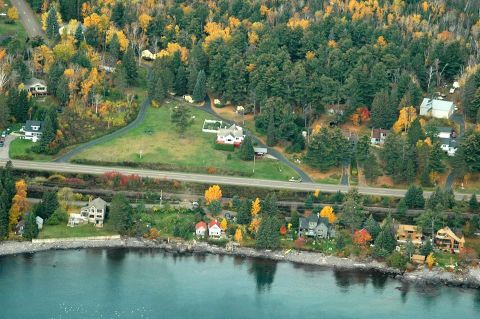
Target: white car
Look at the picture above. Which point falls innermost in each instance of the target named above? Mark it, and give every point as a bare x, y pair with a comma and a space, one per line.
295, 180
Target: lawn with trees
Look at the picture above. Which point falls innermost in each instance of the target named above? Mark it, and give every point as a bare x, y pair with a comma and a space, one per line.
158, 141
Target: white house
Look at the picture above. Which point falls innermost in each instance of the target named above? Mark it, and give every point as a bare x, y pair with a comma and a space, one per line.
147, 55
437, 108
232, 135
214, 229
378, 136
32, 130
95, 211
201, 229
36, 86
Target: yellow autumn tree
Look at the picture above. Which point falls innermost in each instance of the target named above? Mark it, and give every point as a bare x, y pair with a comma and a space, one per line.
171, 49
213, 193
144, 20
19, 203
310, 55
316, 193
381, 41
224, 224
92, 80
253, 38
12, 14
327, 212
255, 207
431, 261
42, 58
407, 115
65, 50
238, 237
122, 39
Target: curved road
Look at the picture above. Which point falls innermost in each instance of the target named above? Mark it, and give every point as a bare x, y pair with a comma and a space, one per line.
208, 108
138, 120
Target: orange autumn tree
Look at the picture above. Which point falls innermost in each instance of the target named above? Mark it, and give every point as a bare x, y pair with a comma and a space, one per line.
213, 193
238, 237
254, 225
361, 237
327, 212
407, 115
224, 224
19, 203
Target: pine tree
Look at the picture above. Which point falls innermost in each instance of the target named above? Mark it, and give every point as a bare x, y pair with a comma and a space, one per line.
180, 81
427, 247
246, 151
192, 78
30, 230
181, 118
243, 215
79, 34
48, 135
473, 203
4, 218
63, 91
118, 14
268, 236
270, 205
415, 132
52, 24
402, 208
130, 65
309, 202
409, 247
200, 90
120, 214
271, 132
372, 226
435, 159
414, 197
114, 47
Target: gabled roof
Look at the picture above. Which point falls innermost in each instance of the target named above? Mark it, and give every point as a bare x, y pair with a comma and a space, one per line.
201, 224
98, 203
432, 104
34, 81
234, 130
213, 223
29, 124
446, 231
376, 132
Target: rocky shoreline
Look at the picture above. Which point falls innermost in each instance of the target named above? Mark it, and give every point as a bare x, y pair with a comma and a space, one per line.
466, 279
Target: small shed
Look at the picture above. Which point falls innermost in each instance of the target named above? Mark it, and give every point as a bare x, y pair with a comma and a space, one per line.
260, 151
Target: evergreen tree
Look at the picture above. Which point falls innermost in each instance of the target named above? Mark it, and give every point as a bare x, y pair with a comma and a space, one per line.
118, 14
268, 236
48, 135
473, 203
435, 159
192, 78
309, 202
427, 247
63, 91
181, 81
121, 217
371, 168
409, 247
353, 213
55, 72
385, 241
271, 138
246, 151
4, 218
340, 241
181, 118
114, 48
244, 217
200, 90
30, 230
415, 132
328, 148
52, 24
270, 205
402, 208
372, 226
363, 149
414, 197
384, 112
48, 205
4, 115
130, 65
79, 34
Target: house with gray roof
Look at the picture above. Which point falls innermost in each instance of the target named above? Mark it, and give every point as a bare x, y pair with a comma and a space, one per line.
95, 211
32, 130
232, 135
36, 86
316, 227
437, 108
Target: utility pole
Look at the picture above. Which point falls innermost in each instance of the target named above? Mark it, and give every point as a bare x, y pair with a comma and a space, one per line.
254, 163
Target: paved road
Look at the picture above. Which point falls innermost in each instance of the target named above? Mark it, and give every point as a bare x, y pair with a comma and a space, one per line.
207, 179
6, 147
208, 108
138, 120
29, 21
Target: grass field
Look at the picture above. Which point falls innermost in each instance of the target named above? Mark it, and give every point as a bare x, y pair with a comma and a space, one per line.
21, 149
157, 141
63, 231
14, 29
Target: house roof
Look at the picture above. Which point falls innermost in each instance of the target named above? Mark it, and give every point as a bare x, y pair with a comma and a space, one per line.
376, 132
437, 105
34, 81
29, 124
213, 223
448, 232
263, 150
201, 224
98, 203
304, 221
234, 130
406, 228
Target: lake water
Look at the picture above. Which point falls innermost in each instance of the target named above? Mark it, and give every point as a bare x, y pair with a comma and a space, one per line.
119, 283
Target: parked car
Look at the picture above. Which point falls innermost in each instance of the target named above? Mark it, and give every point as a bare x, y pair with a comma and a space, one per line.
4, 133
295, 180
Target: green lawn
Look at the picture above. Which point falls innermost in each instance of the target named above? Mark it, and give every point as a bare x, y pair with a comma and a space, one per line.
21, 149
158, 142
63, 231
15, 29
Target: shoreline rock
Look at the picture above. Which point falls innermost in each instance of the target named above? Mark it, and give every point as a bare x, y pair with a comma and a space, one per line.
468, 279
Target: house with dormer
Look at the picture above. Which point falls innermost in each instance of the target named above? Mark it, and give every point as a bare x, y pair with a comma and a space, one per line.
95, 211
32, 130
315, 227
214, 229
232, 135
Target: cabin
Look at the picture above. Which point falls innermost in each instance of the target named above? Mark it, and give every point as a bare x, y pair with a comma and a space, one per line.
95, 211
378, 136
437, 108
32, 130
316, 227
232, 135
214, 229
201, 229
36, 87
447, 240
406, 231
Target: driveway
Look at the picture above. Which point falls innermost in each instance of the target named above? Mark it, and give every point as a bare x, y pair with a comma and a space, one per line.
28, 18
459, 119
6, 146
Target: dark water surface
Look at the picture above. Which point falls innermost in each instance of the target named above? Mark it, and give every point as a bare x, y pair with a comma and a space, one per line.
119, 283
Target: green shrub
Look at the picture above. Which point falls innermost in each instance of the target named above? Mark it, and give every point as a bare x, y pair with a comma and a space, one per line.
224, 147
397, 260
58, 217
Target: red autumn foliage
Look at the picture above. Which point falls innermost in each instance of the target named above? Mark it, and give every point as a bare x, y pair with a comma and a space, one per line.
283, 230
364, 113
361, 237
299, 242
